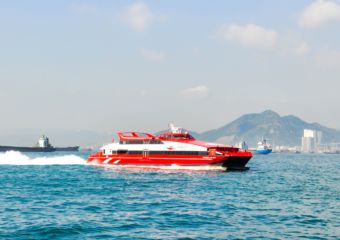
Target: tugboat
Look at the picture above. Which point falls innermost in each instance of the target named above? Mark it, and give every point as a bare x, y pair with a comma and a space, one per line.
175, 147
43, 145
263, 147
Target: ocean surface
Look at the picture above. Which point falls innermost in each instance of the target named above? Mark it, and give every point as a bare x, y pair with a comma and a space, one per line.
59, 196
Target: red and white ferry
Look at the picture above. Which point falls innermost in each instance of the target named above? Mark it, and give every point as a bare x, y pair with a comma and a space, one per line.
175, 147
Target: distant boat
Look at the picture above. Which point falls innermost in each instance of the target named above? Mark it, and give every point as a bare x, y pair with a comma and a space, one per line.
43, 145
26, 149
67, 149
263, 147
332, 152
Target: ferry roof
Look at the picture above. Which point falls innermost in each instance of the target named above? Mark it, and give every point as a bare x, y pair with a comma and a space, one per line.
125, 136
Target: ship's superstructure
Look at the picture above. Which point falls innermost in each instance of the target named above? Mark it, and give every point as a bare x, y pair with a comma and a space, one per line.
44, 142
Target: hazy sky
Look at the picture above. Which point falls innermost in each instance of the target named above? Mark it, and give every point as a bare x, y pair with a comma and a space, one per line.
137, 65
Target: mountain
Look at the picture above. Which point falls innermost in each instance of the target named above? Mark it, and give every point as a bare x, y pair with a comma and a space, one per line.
280, 130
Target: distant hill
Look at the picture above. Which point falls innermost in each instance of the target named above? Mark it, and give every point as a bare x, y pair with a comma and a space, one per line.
281, 130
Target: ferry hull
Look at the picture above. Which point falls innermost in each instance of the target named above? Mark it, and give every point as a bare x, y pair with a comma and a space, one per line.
237, 161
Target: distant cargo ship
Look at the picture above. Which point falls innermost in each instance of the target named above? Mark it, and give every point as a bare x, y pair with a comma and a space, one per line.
43, 145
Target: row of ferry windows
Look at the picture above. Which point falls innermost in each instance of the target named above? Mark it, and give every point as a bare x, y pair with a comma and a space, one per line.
153, 141
179, 137
123, 151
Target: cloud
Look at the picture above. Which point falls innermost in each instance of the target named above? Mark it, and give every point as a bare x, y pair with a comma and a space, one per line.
254, 36
198, 91
292, 45
319, 13
250, 35
138, 16
151, 55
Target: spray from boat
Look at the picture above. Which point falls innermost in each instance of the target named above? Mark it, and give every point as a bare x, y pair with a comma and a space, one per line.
18, 158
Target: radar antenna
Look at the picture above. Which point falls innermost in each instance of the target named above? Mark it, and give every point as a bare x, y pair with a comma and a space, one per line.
174, 129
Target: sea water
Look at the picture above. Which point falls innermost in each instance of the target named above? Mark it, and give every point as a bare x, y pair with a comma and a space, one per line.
59, 196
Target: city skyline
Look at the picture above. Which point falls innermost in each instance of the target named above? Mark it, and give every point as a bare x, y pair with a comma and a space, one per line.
106, 66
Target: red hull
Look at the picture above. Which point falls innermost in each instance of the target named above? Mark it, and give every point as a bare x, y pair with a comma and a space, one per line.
232, 161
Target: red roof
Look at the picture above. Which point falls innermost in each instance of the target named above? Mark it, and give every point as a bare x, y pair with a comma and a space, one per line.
124, 136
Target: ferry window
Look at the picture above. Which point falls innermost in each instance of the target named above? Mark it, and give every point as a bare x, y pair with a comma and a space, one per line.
122, 151
131, 142
155, 141
127, 134
134, 152
186, 136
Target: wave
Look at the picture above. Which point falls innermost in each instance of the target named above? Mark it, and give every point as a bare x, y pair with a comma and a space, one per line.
17, 158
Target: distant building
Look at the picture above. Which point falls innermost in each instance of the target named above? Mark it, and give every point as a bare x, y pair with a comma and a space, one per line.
310, 141
318, 138
307, 145
308, 133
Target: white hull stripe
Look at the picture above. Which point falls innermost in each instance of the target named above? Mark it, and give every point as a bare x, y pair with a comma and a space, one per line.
107, 160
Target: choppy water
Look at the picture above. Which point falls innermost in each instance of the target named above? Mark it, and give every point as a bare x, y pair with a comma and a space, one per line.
281, 197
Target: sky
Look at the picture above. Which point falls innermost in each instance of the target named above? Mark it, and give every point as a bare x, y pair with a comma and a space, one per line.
138, 65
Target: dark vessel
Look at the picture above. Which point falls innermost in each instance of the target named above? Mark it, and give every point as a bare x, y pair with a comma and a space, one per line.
67, 149
26, 149
43, 145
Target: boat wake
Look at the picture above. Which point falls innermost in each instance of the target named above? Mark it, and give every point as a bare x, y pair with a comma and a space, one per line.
17, 158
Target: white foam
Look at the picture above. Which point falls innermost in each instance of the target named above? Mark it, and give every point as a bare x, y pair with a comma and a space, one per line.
170, 168
17, 158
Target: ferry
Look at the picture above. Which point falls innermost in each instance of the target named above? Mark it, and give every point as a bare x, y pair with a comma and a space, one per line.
173, 148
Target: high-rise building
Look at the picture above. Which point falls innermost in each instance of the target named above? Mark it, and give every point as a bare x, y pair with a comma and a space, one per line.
318, 138
310, 141
308, 133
